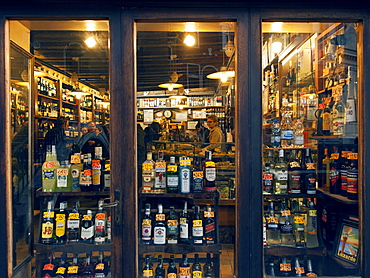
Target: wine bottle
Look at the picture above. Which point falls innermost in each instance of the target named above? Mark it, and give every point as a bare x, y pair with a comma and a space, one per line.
172, 176
352, 177
148, 173
101, 268
325, 172
61, 270
160, 272
184, 267
326, 123
47, 226
268, 180
87, 269
49, 267
285, 267
147, 269
172, 269
209, 225
308, 173
86, 174
196, 268
172, 227
273, 232
100, 224
311, 234
298, 268
160, 227
309, 272
160, 174
73, 270
294, 173
208, 267
73, 223
197, 228
209, 173
146, 226
96, 166
281, 178
298, 225
335, 172
87, 227
61, 224
198, 176
286, 226
184, 225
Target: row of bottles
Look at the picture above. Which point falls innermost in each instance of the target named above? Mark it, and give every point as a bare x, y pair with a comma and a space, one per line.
70, 226
80, 265
296, 175
46, 87
183, 269
339, 173
174, 229
294, 228
162, 177
290, 267
91, 175
47, 109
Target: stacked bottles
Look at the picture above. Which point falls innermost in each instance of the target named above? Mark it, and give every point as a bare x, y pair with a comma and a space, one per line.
163, 177
290, 267
295, 229
173, 229
63, 225
80, 265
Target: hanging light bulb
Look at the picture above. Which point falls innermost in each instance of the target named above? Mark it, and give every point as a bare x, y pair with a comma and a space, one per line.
90, 42
189, 40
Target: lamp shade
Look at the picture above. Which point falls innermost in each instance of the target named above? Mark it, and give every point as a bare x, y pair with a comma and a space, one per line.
170, 86
223, 75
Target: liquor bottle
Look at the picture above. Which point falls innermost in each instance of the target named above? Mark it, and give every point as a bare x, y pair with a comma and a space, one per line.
298, 268
286, 128
351, 120
325, 176
86, 174
352, 177
96, 166
106, 175
172, 269
275, 134
309, 272
101, 268
308, 173
172, 176
160, 174
196, 270
326, 123
208, 267
47, 226
198, 176
273, 232
146, 226
264, 231
87, 269
311, 233
61, 224
159, 231
172, 227
338, 117
209, 173
73, 270
73, 223
184, 225
286, 226
209, 226
160, 272
298, 133
75, 171
49, 267
64, 179
184, 175
147, 269
334, 172
345, 165
285, 267
294, 173
49, 170
184, 267
87, 227
61, 270
148, 173
197, 227
268, 180
100, 224
281, 177
109, 229
270, 269
298, 225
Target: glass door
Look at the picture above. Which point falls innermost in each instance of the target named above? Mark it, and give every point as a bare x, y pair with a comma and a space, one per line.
67, 150
185, 147
310, 149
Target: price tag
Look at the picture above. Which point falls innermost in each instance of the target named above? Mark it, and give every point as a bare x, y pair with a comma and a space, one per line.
73, 269
147, 222
48, 267
208, 214
345, 153
299, 219
285, 267
160, 217
334, 156
75, 159
87, 217
48, 214
285, 212
100, 216
210, 164
267, 177
62, 172
74, 215
96, 164
299, 270
352, 156
272, 219
172, 223
197, 223
198, 174
99, 266
60, 217
172, 168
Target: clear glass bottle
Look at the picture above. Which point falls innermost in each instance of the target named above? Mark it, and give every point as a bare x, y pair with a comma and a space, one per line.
160, 174
298, 133
286, 226
100, 224
159, 231
338, 117
281, 176
275, 134
146, 226
273, 232
311, 229
172, 176
148, 173
287, 135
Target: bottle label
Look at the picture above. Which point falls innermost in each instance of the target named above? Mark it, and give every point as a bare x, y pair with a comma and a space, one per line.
172, 181
86, 177
295, 181
60, 225
87, 233
61, 270
198, 181
62, 174
275, 139
47, 230
159, 235
73, 269
287, 135
326, 121
299, 140
285, 267
100, 225
75, 173
184, 229
146, 229
185, 180
282, 175
210, 228
210, 174
48, 174
343, 177
171, 275
286, 227
48, 267
352, 178
148, 273
185, 272
272, 223
197, 274
172, 227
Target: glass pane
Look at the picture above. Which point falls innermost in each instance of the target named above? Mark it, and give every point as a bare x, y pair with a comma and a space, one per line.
186, 155
310, 150
20, 65
71, 155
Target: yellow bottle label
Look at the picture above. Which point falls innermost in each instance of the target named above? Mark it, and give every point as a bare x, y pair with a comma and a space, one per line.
326, 121
74, 215
148, 273
61, 270
171, 275
60, 225
48, 214
197, 223
87, 217
185, 271
72, 269
172, 223
197, 274
47, 230
210, 164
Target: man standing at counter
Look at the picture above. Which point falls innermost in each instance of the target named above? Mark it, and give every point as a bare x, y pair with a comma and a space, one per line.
215, 135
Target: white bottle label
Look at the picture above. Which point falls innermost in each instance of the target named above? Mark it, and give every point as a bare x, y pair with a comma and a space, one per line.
87, 233
184, 230
185, 181
286, 134
62, 174
159, 235
172, 181
282, 175
210, 174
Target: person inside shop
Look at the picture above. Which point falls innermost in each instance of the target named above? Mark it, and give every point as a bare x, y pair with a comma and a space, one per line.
93, 138
57, 137
215, 134
202, 133
152, 133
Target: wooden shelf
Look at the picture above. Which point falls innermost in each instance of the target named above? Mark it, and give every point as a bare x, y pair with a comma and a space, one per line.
180, 248
293, 251
48, 97
339, 198
39, 193
71, 247
180, 195
293, 195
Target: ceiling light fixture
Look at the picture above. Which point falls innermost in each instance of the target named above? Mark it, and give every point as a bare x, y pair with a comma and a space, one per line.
171, 84
90, 42
189, 40
223, 74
